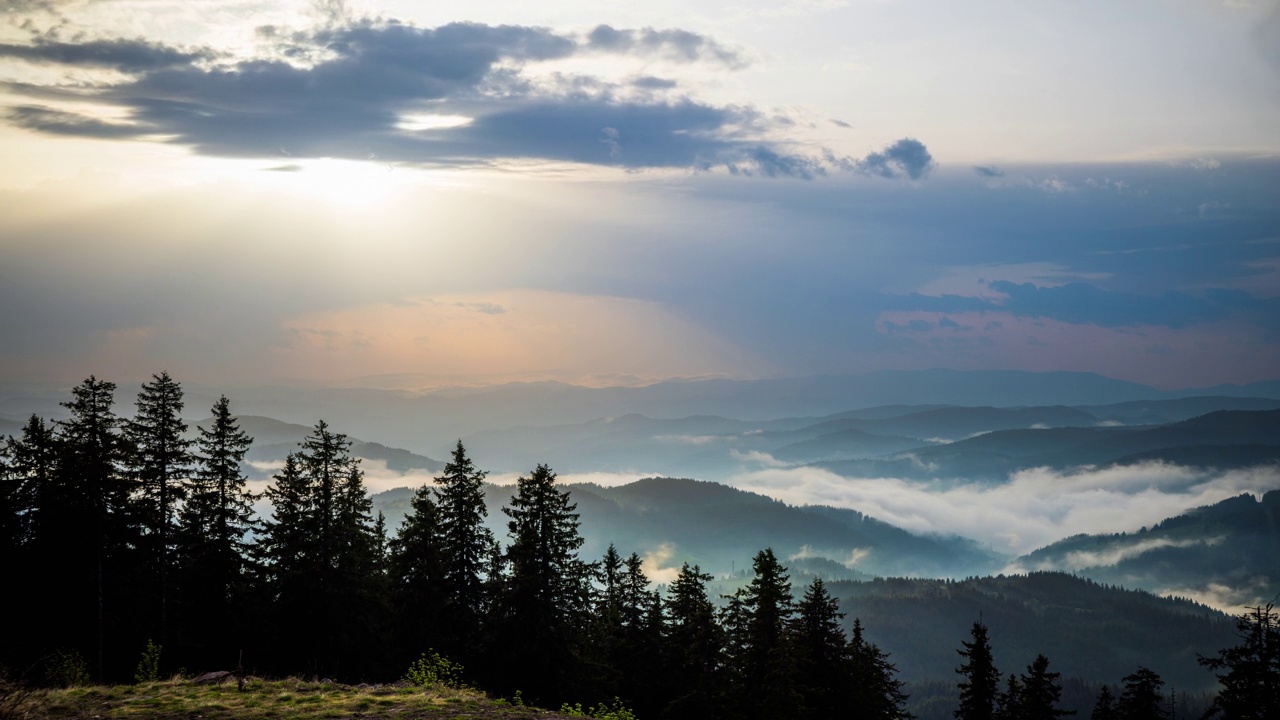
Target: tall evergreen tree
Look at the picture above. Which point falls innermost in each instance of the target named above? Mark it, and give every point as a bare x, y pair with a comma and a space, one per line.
466, 544
693, 643
877, 692
85, 529
640, 648
763, 669
213, 529
981, 678
161, 462
821, 654
1009, 702
285, 553
1249, 673
1142, 698
1041, 693
547, 592
31, 461
320, 550
1104, 708
417, 569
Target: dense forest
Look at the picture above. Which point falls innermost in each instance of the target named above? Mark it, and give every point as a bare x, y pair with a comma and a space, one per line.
132, 549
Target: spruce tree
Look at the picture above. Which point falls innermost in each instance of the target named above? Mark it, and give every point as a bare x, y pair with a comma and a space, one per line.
213, 527
981, 678
85, 528
693, 643
1249, 673
1142, 698
877, 692
547, 592
641, 639
821, 653
1009, 703
30, 465
161, 463
1041, 693
466, 544
286, 555
763, 668
416, 573
1104, 708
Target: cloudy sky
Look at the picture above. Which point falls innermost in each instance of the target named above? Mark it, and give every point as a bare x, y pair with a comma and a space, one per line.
409, 194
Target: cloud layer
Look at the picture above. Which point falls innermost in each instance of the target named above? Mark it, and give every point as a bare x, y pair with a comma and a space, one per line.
1034, 508
373, 89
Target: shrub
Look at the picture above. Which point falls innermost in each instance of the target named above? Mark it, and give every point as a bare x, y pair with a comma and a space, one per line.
604, 711
149, 664
68, 669
433, 669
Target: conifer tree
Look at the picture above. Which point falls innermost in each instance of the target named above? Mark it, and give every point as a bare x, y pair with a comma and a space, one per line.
547, 592
981, 678
30, 464
821, 653
85, 527
416, 574
1249, 673
641, 638
1105, 706
213, 527
693, 643
1041, 693
466, 544
763, 669
320, 549
1009, 703
1142, 698
877, 692
161, 462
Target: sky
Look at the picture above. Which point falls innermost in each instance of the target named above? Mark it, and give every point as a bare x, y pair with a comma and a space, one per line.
406, 194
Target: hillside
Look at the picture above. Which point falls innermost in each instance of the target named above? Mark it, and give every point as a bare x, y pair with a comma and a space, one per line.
273, 440
1234, 544
720, 528
1088, 631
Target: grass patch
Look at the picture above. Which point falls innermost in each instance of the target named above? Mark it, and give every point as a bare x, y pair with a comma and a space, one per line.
177, 699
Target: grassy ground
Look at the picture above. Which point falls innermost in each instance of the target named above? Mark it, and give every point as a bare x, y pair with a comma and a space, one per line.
275, 700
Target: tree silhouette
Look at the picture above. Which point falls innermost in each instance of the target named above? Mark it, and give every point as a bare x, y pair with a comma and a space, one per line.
981, 678
1249, 673
763, 671
213, 526
465, 545
822, 659
692, 647
161, 462
877, 692
1141, 698
1105, 706
547, 592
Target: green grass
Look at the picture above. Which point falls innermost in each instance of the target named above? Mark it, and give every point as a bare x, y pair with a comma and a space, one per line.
291, 698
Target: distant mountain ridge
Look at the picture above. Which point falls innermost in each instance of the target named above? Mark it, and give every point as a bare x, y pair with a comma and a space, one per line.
675, 520
1230, 550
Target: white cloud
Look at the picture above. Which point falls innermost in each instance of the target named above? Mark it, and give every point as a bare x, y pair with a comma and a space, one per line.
1033, 508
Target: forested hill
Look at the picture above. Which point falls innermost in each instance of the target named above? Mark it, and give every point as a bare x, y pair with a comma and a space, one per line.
720, 528
1094, 632
1234, 544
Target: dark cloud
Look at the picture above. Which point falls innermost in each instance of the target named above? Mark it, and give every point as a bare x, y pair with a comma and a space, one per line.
989, 171
673, 44
907, 157
344, 90
650, 82
58, 122
119, 54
